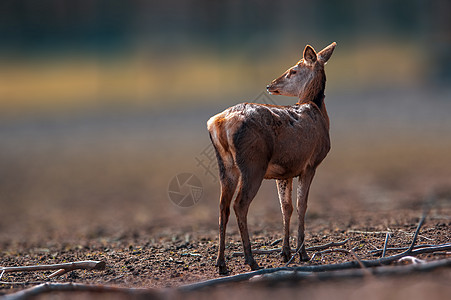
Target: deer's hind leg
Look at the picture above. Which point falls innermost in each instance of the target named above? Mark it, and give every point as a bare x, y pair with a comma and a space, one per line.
284, 188
250, 181
229, 176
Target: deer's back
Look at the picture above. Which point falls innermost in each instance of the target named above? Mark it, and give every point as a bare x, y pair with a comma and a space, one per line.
289, 138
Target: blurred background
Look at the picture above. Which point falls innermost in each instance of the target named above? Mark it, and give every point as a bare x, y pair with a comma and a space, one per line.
102, 103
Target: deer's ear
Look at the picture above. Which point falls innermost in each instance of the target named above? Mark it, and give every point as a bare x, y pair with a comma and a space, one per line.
326, 53
309, 54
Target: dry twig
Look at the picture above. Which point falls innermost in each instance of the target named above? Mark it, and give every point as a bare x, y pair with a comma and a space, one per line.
293, 250
415, 236
77, 287
377, 251
368, 232
60, 268
385, 244
276, 242
294, 255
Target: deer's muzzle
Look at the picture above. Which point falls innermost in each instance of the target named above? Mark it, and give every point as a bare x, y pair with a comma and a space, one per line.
272, 89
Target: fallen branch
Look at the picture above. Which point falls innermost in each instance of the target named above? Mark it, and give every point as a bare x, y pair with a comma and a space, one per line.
77, 287
377, 251
276, 242
422, 236
293, 250
328, 245
286, 276
417, 231
385, 232
60, 268
385, 244
368, 232
22, 282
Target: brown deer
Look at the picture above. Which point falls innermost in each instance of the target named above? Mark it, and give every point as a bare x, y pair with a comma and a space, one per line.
257, 141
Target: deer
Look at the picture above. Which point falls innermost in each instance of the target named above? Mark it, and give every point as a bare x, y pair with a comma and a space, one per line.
261, 141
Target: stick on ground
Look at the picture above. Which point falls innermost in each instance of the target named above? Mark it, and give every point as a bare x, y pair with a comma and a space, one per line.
385, 244
294, 255
293, 250
377, 251
60, 268
78, 287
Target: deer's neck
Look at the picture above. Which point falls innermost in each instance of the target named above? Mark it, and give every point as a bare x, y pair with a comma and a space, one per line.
314, 92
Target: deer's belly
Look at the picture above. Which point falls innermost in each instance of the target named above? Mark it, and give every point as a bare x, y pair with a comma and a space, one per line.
278, 171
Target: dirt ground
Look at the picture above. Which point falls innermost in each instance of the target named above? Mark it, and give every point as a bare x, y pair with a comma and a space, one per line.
61, 203
173, 257
164, 254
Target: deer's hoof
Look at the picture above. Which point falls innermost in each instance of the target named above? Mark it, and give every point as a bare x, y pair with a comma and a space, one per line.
222, 270
304, 257
254, 266
222, 267
286, 255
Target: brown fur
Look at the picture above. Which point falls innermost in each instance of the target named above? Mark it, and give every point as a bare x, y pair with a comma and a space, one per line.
255, 142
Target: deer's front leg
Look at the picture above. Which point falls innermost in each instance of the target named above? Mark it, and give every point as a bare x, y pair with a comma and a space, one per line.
284, 188
302, 196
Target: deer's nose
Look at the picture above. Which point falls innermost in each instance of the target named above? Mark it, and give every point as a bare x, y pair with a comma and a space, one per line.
267, 87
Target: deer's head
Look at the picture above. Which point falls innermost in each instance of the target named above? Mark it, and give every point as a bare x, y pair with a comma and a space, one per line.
296, 79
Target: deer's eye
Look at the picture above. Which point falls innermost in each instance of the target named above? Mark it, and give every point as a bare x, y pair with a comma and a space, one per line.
291, 72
